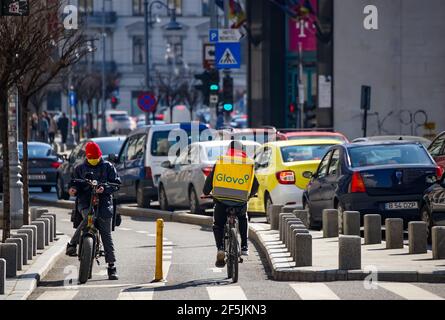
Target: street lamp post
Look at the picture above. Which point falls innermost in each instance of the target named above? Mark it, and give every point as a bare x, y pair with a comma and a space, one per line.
148, 22
104, 98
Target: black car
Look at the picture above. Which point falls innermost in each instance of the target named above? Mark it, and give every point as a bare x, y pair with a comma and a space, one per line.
433, 209
43, 164
386, 178
108, 145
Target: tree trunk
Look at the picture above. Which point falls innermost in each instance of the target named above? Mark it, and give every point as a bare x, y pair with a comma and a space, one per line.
5, 156
25, 162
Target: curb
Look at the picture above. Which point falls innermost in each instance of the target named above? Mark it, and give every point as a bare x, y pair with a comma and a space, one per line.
25, 283
283, 267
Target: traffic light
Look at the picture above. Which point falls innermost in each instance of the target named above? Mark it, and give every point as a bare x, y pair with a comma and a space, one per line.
228, 94
204, 87
310, 118
114, 101
292, 116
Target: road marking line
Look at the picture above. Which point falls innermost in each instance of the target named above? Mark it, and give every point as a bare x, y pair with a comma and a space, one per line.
66, 220
216, 270
168, 243
142, 232
58, 295
313, 291
226, 293
151, 235
408, 291
101, 273
136, 295
166, 268
124, 229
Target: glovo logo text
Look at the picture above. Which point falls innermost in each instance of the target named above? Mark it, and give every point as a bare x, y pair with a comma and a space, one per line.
235, 180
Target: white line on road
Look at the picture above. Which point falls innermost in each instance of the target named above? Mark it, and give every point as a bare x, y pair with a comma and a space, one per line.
314, 291
58, 295
66, 220
216, 270
142, 232
136, 295
226, 293
124, 229
408, 291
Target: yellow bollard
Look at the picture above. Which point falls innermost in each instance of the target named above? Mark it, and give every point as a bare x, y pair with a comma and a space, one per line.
159, 246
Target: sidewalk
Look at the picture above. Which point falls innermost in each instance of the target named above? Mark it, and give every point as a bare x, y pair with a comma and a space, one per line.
389, 265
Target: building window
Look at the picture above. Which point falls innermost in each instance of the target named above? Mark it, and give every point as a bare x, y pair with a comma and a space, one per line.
138, 50
174, 50
176, 4
54, 101
86, 6
205, 8
138, 7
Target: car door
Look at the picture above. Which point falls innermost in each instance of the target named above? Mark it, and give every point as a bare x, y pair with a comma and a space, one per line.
134, 163
315, 187
122, 194
437, 150
174, 189
262, 170
68, 169
329, 188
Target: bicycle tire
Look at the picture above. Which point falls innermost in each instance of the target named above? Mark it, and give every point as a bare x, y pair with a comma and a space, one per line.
228, 257
86, 259
234, 251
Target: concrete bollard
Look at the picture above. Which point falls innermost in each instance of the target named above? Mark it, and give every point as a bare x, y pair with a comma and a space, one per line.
373, 229
303, 250
349, 253
417, 237
30, 243
47, 229
287, 223
290, 208
281, 223
8, 251
303, 215
290, 232
351, 223
2, 276
394, 233
24, 238
438, 242
55, 223
40, 234
36, 212
25, 229
330, 223
274, 215
19, 243
293, 240
51, 225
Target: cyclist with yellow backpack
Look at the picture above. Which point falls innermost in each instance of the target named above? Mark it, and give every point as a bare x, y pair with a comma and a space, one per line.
232, 182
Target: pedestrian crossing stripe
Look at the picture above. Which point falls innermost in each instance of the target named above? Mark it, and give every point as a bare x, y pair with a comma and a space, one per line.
227, 58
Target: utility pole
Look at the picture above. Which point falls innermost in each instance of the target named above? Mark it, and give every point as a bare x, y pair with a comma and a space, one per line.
301, 97
104, 56
227, 72
147, 55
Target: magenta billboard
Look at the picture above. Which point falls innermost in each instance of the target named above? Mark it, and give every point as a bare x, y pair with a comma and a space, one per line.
303, 30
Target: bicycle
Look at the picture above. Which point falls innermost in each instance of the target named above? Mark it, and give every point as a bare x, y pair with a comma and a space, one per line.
90, 245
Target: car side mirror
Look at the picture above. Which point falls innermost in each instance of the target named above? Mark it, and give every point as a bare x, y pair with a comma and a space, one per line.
308, 175
166, 165
113, 158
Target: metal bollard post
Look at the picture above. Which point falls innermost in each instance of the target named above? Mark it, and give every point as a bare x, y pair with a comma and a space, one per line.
159, 248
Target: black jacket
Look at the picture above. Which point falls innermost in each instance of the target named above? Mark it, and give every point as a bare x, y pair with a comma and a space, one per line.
208, 187
104, 172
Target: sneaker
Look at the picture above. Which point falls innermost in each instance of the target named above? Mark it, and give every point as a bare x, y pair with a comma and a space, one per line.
71, 250
244, 251
112, 273
220, 259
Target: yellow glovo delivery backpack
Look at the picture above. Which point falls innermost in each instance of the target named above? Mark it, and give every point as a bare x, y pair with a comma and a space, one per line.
233, 178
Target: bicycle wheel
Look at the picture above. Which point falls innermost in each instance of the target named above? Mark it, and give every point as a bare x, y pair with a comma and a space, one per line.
228, 242
86, 259
234, 251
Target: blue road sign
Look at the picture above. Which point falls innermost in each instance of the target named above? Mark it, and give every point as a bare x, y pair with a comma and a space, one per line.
73, 98
228, 55
213, 35
147, 102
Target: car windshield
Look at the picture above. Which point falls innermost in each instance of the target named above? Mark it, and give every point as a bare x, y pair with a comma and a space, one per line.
338, 138
119, 116
214, 152
37, 151
304, 153
379, 155
110, 146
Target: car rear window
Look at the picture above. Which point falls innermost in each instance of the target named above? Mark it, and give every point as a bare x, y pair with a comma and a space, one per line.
338, 138
37, 151
111, 146
119, 117
304, 153
380, 155
214, 152
160, 144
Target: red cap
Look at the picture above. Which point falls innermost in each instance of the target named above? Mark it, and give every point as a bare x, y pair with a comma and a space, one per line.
92, 150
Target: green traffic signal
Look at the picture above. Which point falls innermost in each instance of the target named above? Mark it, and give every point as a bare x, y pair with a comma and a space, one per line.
214, 87
228, 107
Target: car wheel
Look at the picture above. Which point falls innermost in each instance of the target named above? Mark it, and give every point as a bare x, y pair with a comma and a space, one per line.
425, 216
195, 207
163, 201
310, 220
46, 189
267, 204
340, 210
143, 202
61, 194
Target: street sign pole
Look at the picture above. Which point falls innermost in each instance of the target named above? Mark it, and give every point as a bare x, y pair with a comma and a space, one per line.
227, 72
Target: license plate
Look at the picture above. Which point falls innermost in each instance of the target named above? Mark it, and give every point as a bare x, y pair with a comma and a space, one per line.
402, 205
37, 177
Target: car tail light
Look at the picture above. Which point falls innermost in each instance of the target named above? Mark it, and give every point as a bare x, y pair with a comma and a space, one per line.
286, 177
439, 172
55, 165
207, 171
148, 173
109, 119
357, 183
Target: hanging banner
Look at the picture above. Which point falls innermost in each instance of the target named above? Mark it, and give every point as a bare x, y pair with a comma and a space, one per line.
302, 30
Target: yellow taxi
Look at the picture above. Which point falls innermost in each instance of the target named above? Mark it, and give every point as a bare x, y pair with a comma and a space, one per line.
279, 168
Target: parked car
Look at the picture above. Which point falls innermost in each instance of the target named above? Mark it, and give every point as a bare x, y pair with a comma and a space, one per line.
141, 121
239, 121
139, 160
182, 182
260, 135
117, 122
279, 167
426, 142
433, 209
303, 135
43, 164
437, 149
386, 178
108, 145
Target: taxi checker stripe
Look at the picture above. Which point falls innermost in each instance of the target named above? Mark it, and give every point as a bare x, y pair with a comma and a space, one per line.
230, 193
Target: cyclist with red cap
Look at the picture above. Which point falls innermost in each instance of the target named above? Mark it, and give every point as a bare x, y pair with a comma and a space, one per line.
230, 198
95, 168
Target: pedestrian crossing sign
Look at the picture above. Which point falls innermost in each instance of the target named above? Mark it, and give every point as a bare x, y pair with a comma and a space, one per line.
228, 55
